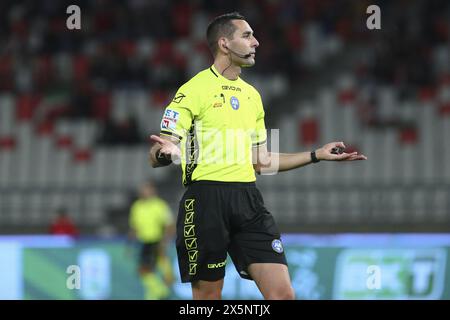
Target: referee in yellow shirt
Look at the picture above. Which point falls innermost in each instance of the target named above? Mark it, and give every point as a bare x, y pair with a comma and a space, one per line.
151, 224
215, 128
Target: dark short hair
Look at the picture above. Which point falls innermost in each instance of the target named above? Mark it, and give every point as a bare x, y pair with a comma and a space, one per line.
221, 26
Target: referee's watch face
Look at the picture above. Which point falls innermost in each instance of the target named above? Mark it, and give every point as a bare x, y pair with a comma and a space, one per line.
245, 43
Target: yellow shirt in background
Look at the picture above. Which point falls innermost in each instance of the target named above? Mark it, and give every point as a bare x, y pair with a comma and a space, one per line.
149, 218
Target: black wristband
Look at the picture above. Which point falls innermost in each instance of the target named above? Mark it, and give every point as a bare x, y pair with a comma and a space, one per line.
163, 159
314, 157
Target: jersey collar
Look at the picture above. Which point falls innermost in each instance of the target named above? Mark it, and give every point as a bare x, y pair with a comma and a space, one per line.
218, 75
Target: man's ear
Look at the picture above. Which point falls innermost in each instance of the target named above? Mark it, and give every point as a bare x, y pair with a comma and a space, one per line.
223, 44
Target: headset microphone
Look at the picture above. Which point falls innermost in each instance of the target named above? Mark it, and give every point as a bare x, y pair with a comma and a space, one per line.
243, 56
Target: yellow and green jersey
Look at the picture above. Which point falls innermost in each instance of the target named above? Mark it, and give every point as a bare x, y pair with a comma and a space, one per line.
149, 218
218, 121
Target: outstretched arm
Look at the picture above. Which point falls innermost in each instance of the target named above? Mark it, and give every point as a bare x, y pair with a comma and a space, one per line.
269, 162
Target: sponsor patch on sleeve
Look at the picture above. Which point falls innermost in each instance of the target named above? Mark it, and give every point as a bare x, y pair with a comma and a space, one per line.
170, 119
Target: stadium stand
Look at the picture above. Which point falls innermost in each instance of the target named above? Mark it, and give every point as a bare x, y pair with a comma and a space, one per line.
76, 108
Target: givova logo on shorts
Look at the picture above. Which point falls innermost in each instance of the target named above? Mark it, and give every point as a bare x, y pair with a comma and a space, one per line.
217, 265
190, 240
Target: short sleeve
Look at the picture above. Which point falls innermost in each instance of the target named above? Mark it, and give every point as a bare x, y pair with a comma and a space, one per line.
259, 137
180, 113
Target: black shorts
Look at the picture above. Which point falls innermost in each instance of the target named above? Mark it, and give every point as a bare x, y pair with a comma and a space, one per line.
148, 255
216, 218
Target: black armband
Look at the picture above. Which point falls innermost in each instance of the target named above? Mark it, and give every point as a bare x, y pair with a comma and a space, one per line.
314, 157
163, 159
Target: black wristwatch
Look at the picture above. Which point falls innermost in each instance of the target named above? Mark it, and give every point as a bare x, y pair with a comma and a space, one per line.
163, 159
314, 157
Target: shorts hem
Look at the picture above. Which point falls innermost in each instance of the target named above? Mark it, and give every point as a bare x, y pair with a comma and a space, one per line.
247, 276
193, 279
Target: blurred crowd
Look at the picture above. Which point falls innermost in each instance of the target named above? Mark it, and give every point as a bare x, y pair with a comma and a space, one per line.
411, 51
156, 45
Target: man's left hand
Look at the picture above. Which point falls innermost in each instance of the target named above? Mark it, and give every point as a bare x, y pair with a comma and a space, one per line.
325, 153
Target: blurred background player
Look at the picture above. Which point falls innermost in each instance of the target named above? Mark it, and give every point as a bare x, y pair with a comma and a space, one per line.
151, 225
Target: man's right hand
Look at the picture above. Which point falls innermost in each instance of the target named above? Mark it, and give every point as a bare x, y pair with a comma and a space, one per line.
167, 148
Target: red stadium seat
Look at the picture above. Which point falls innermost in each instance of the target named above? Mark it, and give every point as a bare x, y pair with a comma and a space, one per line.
64, 142
102, 105
45, 128
408, 136
347, 96
82, 155
7, 143
444, 109
426, 94
80, 66
309, 131
25, 107
182, 13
